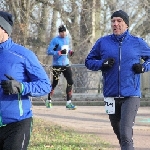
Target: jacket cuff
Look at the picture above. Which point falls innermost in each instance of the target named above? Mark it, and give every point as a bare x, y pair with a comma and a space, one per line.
22, 88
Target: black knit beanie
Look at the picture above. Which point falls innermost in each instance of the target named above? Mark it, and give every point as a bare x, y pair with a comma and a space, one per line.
6, 22
61, 28
121, 14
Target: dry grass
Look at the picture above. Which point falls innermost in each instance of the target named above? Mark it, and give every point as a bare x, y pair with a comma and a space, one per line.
47, 136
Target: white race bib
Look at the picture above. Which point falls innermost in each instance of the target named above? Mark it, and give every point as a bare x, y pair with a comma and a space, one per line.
65, 47
109, 105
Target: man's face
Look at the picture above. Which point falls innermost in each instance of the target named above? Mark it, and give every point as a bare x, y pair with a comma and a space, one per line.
1, 35
118, 25
62, 34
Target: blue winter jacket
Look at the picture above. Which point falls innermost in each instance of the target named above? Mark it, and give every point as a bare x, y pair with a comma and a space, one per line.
120, 80
23, 65
58, 60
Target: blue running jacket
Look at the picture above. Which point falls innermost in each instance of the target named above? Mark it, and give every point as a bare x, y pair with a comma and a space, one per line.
58, 60
23, 65
120, 80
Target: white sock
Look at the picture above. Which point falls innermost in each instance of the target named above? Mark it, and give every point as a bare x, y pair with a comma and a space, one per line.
68, 102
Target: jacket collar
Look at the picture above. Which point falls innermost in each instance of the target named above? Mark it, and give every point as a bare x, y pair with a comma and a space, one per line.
121, 37
6, 45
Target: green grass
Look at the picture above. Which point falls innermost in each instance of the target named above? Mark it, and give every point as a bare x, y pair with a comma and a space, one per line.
48, 136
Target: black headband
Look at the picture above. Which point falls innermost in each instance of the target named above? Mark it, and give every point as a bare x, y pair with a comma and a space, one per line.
122, 15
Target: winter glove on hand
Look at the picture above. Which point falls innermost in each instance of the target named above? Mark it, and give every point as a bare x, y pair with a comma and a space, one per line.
108, 63
56, 46
62, 52
138, 68
11, 86
71, 53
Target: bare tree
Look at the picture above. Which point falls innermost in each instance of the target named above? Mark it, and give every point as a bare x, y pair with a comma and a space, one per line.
36, 21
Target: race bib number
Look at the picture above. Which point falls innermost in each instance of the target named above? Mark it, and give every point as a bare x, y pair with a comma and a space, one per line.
109, 105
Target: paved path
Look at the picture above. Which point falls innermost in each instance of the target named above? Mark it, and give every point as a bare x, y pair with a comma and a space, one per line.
93, 119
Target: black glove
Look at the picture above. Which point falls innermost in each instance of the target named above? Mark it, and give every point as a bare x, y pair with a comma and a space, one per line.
56, 46
11, 86
108, 63
138, 68
63, 51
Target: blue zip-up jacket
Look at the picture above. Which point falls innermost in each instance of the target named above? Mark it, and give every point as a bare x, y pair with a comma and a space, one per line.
120, 80
23, 65
58, 60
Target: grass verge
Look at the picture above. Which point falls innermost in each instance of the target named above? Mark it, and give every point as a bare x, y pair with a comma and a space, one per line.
48, 136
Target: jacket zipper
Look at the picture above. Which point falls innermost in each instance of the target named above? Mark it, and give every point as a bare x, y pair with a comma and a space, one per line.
120, 43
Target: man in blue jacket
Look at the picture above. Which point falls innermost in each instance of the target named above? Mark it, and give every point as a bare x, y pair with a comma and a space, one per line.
119, 56
21, 76
59, 49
